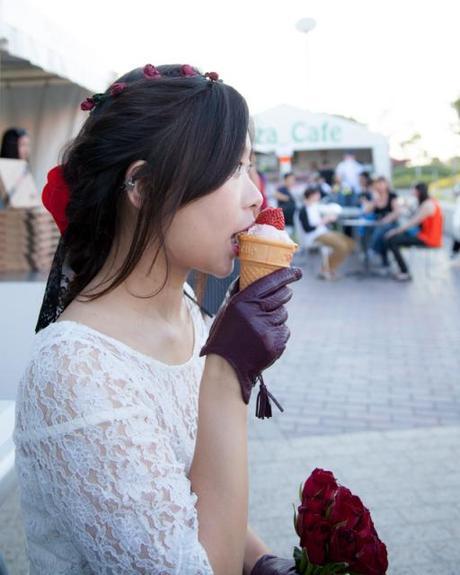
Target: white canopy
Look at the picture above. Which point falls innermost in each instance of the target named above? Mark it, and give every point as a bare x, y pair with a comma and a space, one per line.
284, 130
44, 75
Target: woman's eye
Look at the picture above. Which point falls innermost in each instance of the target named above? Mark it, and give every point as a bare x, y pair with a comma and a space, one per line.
241, 167
238, 170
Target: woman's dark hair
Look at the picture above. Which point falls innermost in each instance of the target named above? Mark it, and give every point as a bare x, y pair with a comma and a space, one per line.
191, 133
10, 139
311, 191
367, 178
287, 175
422, 192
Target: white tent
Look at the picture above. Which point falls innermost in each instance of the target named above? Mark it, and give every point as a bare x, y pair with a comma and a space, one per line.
284, 130
44, 75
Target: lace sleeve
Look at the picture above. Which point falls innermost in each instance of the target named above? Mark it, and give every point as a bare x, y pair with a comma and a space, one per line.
109, 471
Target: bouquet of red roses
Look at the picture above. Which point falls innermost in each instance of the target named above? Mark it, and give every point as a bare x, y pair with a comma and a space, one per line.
337, 535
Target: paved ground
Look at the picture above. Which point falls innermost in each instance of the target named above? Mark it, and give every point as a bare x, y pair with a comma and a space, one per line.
370, 384
371, 389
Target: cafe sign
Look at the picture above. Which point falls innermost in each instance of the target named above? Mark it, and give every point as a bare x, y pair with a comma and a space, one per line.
326, 132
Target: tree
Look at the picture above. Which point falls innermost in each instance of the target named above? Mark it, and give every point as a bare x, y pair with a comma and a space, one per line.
456, 107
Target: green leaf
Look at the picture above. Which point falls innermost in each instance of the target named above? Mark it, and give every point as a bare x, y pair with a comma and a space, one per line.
300, 492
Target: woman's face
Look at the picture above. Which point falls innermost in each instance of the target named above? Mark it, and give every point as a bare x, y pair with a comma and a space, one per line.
202, 233
24, 148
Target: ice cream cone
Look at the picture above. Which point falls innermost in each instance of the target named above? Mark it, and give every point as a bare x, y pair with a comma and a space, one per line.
260, 256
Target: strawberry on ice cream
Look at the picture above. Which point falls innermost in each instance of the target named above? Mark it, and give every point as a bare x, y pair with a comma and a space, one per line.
270, 224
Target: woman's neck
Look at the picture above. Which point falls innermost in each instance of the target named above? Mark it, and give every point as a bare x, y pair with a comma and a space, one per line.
135, 294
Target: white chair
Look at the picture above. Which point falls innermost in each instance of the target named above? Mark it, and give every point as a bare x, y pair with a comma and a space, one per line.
306, 245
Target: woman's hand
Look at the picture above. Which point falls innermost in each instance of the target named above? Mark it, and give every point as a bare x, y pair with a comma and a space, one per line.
249, 331
271, 565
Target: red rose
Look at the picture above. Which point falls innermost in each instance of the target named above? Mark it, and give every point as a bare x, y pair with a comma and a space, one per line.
87, 104
314, 532
347, 508
117, 88
55, 197
187, 70
321, 484
371, 558
151, 72
214, 76
343, 545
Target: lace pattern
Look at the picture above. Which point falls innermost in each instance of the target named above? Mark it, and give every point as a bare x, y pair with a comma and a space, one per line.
104, 441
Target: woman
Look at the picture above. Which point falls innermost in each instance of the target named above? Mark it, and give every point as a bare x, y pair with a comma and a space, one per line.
285, 199
383, 207
428, 218
15, 144
130, 441
315, 227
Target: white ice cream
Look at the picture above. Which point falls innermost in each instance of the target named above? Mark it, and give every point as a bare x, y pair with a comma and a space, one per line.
270, 233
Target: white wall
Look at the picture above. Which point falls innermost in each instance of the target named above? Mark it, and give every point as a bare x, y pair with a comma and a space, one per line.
19, 306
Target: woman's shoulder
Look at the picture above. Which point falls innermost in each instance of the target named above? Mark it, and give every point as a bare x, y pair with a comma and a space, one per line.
74, 378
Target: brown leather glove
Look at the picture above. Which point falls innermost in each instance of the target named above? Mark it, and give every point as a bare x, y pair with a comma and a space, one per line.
250, 331
271, 565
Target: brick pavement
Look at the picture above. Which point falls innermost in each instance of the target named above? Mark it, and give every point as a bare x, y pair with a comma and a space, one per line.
370, 383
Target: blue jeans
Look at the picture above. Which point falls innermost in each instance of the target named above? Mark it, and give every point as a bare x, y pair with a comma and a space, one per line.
377, 240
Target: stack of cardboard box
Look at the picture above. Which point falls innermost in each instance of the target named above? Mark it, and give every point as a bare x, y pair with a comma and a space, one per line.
28, 234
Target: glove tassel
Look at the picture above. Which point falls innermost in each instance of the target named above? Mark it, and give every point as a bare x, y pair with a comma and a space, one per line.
263, 405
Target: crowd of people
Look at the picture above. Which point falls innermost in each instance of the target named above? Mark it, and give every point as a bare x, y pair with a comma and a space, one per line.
392, 222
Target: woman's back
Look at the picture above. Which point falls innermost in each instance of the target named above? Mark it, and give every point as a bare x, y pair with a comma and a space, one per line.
105, 438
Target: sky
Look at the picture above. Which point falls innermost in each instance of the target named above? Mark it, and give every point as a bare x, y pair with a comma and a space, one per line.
391, 65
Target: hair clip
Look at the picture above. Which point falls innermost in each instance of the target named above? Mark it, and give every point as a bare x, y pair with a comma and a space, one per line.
91, 102
150, 72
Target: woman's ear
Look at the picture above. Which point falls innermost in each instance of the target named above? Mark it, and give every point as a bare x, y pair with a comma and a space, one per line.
132, 185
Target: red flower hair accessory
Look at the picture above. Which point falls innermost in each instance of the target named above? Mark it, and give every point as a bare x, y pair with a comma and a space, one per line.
117, 88
87, 105
187, 70
150, 72
55, 197
213, 76
114, 90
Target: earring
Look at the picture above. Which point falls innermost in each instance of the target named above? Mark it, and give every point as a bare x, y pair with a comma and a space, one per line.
129, 185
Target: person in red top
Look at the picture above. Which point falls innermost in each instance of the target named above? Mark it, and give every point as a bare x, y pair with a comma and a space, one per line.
428, 218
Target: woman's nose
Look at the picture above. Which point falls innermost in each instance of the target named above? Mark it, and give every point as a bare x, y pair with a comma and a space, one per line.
254, 195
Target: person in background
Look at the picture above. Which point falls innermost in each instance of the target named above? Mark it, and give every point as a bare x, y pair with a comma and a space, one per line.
384, 207
259, 180
15, 144
365, 186
429, 217
285, 199
315, 227
347, 172
456, 226
326, 170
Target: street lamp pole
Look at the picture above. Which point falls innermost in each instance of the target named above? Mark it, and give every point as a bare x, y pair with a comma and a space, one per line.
305, 26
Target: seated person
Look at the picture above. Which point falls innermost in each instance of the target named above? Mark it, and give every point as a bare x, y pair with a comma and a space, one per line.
384, 207
286, 201
429, 217
315, 227
365, 187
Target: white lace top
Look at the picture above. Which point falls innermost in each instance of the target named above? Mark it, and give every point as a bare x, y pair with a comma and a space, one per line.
104, 441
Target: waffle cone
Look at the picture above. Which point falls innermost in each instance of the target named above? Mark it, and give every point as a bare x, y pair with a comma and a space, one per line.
260, 257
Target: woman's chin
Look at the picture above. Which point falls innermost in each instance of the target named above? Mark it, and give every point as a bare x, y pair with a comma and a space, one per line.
223, 270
